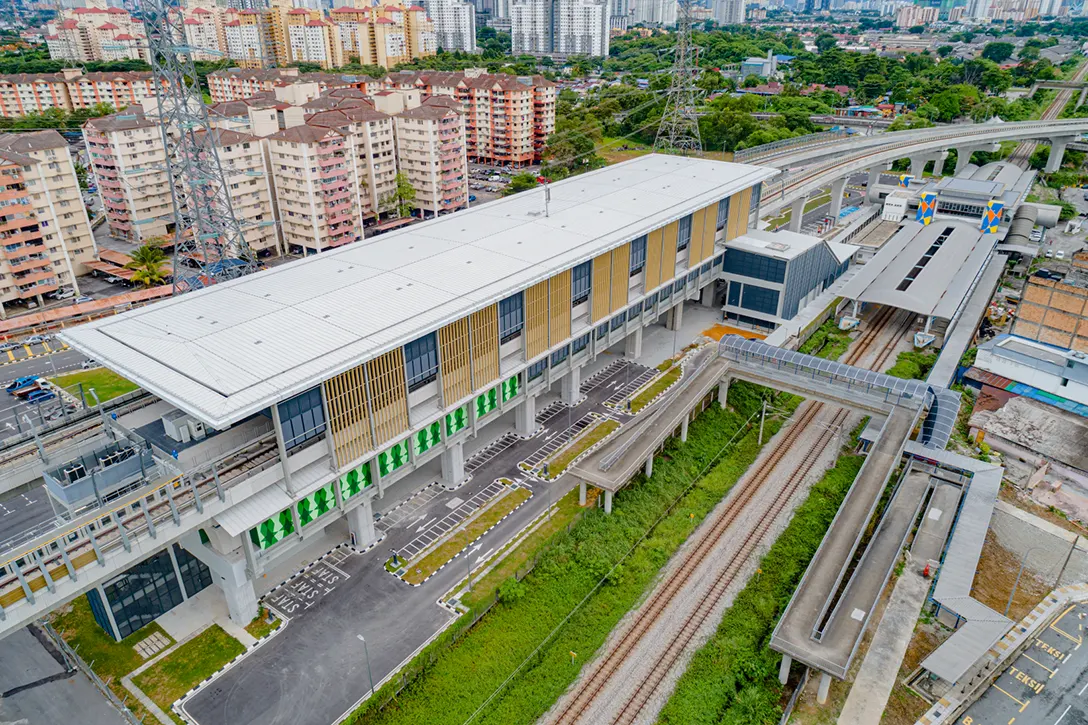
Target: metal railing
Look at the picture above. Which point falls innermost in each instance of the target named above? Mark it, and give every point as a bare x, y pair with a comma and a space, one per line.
74, 662
774, 147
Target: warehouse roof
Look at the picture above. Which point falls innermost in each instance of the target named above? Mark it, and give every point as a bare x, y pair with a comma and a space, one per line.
924, 269
228, 351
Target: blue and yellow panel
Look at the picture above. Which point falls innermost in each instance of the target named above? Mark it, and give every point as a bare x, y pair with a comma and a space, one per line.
991, 217
905, 179
927, 205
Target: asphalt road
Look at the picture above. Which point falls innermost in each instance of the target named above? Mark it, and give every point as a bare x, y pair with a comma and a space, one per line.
316, 670
1046, 685
12, 407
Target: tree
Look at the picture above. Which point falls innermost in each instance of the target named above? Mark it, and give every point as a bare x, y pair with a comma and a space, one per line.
402, 199
825, 42
916, 29
147, 263
945, 50
520, 182
998, 52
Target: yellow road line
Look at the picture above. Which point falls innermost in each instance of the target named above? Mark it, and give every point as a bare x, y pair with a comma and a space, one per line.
1071, 638
1030, 659
28, 352
1021, 703
45, 345
11, 356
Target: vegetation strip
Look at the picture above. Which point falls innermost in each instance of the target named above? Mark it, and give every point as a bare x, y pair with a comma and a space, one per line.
524, 644
659, 385
733, 677
593, 435
418, 572
106, 383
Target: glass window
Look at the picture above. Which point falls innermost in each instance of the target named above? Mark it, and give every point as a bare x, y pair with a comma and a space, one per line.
692, 276
143, 593
421, 361
195, 575
683, 233
579, 283
756, 266
560, 355
580, 343
537, 369
602, 330
665, 292
705, 268
723, 213
759, 299
511, 317
634, 311
651, 300
618, 320
638, 254
302, 418
678, 285
757, 192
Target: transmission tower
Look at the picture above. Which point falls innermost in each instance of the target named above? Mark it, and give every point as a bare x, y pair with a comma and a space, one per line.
208, 242
679, 128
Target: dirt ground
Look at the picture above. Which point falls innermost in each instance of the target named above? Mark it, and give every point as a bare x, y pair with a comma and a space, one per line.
904, 707
995, 576
1019, 499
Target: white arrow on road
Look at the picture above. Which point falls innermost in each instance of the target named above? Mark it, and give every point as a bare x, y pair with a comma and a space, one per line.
474, 549
484, 556
422, 528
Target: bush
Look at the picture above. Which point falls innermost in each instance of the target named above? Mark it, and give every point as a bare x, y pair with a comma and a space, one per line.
733, 677
913, 365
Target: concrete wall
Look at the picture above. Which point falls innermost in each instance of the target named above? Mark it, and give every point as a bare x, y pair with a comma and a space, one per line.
1049, 545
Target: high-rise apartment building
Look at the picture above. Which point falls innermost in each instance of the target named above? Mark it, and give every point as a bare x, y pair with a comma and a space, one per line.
454, 24
89, 34
71, 89
385, 35
248, 41
312, 40
560, 27
654, 12
912, 15
129, 163
729, 12
431, 154
44, 229
205, 33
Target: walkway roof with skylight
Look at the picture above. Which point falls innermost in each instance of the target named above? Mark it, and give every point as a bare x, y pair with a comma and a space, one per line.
229, 351
924, 269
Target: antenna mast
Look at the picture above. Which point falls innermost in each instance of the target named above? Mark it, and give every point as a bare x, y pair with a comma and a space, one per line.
679, 128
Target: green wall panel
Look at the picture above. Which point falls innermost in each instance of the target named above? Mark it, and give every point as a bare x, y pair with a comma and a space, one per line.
487, 403
427, 438
273, 530
456, 421
317, 504
510, 389
355, 480
393, 458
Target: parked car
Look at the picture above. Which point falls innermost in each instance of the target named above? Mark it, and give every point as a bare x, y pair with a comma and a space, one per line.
1049, 254
65, 294
88, 363
84, 298
113, 280
19, 383
35, 338
472, 197
40, 396
1059, 254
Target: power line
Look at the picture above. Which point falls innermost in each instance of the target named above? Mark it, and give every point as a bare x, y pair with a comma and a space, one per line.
679, 129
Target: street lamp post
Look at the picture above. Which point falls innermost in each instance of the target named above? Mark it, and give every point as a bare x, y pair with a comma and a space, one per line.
369, 672
1023, 561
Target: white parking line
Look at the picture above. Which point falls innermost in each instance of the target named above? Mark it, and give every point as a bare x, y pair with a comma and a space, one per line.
1083, 689
1062, 716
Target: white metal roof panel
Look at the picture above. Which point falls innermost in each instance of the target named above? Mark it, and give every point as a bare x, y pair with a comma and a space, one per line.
228, 351
252, 510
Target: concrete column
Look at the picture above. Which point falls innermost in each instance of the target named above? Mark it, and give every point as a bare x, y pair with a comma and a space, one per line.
825, 685
632, 345
675, 317
571, 385
837, 189
649, 465
581, 493
231, 572
938, 163
241, 600
361, 523
453, 464
278, 427
608, 502
797, 213
526, 417
963, 157
918, 165
1057, 151
1083, 96
684, 430
784, 669
723, 393
871, 194
707, 299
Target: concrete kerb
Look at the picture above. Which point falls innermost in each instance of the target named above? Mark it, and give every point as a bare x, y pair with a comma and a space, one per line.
992, 664
535, 473
469, 544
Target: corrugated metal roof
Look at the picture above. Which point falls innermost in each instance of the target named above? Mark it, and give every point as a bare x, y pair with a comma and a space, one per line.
941, 285
228, 351
252, 510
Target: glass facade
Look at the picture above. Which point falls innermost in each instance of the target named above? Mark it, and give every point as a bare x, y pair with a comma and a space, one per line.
756, 266
511, 317
560, 355
580, 279
195, 575
302, 418
759, 299
638, 254
421, 361
618, 320
580, 343
723, 213
683, 233
537, 369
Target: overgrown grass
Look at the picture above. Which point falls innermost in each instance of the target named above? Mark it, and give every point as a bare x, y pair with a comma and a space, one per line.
109, 659
106, 383
828, 341
912, 365
415, 573
558, 463
461, 678
199, 658
733, 679
261, 627
662, 383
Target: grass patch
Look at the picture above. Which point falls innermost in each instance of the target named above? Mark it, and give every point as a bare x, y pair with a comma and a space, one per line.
174, 675
613, 151
733, 678
455, 680
441, 555
912, 365
109, 659
484, 588
660, 384
106, 383
593, 435
261, 627
828, 341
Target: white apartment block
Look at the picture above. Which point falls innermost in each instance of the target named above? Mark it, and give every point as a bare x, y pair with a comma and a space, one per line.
912, 15
729, 12
249, 184
205, 33
431, 154
315, 41
129, 164
560, 27
90, 34
454, 24
654, 12
44, 229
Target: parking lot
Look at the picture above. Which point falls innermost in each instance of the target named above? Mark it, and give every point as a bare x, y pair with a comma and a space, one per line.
487, 182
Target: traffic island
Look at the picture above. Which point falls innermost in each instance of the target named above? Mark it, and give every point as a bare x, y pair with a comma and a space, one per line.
588, 439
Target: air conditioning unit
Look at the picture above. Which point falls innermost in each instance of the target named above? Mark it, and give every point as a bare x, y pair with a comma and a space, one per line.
176, 425
196, 429
74, 473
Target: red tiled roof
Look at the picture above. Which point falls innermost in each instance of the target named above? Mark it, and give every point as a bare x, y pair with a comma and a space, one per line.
298, 11
315, 24
108, 26
385, 21
202, 11
124, 36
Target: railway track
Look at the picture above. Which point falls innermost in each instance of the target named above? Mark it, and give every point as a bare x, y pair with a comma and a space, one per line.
1022, 153
659, 601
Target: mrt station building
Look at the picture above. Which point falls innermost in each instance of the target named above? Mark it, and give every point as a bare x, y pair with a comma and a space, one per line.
340, 375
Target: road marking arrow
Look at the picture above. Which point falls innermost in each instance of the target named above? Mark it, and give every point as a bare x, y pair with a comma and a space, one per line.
422, 528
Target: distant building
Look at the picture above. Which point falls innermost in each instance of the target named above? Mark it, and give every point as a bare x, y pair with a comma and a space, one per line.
454, 24
560, 27
762, 67
653, 12
729, 12
1054, 308
912, 15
